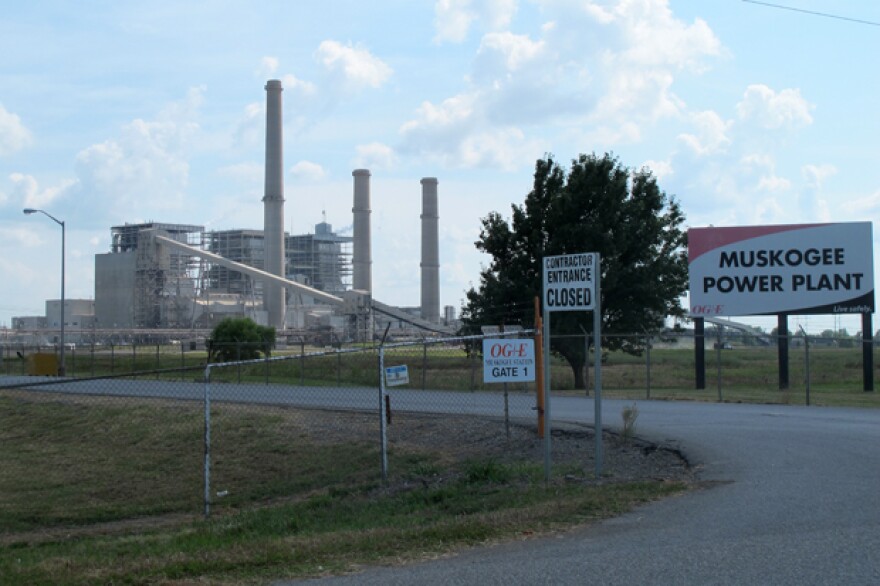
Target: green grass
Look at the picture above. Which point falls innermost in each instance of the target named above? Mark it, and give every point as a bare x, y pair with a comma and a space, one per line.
98, 491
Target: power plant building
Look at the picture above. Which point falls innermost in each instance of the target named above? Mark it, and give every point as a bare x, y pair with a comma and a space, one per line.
187, 280
134, 288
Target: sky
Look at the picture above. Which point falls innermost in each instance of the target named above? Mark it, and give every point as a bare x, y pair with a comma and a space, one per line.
123, 112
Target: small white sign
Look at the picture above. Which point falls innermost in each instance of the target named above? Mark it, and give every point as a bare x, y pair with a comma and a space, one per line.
396, 375
570, 281
510, 360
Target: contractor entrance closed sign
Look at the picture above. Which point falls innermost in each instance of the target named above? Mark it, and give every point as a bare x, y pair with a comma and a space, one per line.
570, 281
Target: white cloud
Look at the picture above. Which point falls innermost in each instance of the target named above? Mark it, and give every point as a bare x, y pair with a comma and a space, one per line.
375, 156
145, 169
863, 207
249, 130
453, 19
815, 175
711, 135
773, 183
593, 70
655, 38
14, 136
504, 52
774, 110
268, 66
660, 169
27, 191
308, 171
356, 66
292, 84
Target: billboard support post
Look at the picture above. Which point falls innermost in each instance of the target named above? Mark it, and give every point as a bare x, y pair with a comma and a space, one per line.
867, 353
700, 353
782, 345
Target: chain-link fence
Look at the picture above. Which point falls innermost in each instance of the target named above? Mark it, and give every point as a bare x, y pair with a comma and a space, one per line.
157, 431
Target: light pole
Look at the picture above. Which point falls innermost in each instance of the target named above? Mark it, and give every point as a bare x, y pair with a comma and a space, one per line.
28, 211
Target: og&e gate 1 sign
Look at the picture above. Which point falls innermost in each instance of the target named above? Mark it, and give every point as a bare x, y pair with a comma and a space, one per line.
570, 281
508, 360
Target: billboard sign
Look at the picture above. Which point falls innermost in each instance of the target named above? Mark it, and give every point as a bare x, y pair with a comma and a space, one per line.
570, 281
797, 269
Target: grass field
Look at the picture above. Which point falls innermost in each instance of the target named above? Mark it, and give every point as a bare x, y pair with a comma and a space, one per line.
99, 491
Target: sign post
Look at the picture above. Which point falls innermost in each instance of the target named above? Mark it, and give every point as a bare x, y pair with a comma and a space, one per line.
571, 283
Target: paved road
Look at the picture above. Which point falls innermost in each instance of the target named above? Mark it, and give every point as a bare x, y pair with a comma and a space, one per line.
798, 503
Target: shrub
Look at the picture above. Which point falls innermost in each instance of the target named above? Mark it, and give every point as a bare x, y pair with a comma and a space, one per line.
240, 339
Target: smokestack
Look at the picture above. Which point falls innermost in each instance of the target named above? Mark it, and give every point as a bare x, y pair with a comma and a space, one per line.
273, 206
361, 258
430, 252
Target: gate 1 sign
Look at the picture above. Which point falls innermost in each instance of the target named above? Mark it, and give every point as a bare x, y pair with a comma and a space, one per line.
797, 269
570, 281
510, 360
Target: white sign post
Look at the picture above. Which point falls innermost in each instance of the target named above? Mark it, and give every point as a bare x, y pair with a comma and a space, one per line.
572, 283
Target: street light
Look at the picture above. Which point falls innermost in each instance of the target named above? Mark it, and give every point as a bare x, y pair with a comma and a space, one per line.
29, 211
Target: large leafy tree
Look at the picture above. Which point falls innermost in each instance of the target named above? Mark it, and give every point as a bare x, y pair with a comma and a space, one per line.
598, 205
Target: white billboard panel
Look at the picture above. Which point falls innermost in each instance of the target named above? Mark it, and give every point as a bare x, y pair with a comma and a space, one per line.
798, 269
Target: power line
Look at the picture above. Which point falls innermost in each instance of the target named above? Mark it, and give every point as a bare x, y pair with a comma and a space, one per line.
825, 14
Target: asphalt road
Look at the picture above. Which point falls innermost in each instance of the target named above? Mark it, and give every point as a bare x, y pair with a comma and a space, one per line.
797, 501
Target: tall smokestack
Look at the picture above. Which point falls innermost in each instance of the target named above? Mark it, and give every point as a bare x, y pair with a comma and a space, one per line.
430, 252
273, 206
362, 277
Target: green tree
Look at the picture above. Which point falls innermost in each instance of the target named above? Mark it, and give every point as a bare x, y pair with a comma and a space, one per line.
597, 206
240, 338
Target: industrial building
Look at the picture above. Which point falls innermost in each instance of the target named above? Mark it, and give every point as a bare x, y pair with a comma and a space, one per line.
180, 276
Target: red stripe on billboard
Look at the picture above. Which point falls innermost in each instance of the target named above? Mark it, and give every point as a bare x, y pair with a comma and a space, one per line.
702, 240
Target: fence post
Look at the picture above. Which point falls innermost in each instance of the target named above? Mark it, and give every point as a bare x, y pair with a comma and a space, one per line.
473, 362
157, 361
648, 366
112, 358
133, 357
207, 462
383, 426
424, 363
238, 359
338, 366
266, 354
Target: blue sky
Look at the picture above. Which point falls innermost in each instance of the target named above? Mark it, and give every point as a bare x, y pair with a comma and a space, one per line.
114, 112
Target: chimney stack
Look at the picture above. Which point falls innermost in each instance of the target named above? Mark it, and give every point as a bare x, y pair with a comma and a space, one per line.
362, 278
273, 207
430, 252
